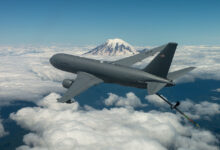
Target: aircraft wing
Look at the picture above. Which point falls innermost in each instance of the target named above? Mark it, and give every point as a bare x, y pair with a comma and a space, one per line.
83, 82
128, 61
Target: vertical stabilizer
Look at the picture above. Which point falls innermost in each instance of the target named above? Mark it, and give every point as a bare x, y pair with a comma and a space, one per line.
160, 65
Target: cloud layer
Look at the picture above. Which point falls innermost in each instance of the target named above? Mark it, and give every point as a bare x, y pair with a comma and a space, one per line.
25, 74
68, 126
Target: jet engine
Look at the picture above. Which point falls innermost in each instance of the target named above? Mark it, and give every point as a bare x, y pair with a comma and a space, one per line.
67, 83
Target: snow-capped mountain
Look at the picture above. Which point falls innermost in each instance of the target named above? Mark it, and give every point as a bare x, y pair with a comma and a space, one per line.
113, 47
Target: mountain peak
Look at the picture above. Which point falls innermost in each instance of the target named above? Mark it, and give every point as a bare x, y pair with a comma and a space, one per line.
117, 41
113, 47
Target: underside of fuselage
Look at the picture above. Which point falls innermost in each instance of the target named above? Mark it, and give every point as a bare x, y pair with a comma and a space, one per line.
135, 83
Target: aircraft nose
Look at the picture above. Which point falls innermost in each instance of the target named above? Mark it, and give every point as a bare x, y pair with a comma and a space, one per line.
54, 59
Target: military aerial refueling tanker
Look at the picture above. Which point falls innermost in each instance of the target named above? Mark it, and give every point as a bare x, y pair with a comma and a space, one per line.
91, 72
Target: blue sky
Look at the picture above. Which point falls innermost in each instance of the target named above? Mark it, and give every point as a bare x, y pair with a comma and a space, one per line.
91, 22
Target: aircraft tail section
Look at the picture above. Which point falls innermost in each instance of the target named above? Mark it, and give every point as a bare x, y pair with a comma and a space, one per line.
160, 65
154, 87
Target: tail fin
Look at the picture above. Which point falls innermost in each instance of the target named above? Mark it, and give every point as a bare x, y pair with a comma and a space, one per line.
160, 65
154, 87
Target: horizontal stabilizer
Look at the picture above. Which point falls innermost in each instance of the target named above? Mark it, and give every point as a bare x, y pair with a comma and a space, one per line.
176, 74
154, 87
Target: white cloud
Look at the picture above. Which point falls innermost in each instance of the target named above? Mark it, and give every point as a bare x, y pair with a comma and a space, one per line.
131, 100
2, 130
67, 126
111, 100
203, 109
155, 100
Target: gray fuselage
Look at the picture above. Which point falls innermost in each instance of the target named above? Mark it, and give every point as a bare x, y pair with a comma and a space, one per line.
108, 72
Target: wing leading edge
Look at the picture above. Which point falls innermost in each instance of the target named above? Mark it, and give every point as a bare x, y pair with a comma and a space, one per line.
128, 61
83, 82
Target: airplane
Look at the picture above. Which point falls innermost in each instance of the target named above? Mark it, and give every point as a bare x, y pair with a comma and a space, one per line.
91, 72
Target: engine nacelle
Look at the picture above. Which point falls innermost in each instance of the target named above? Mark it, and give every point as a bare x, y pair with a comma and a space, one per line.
67, 83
